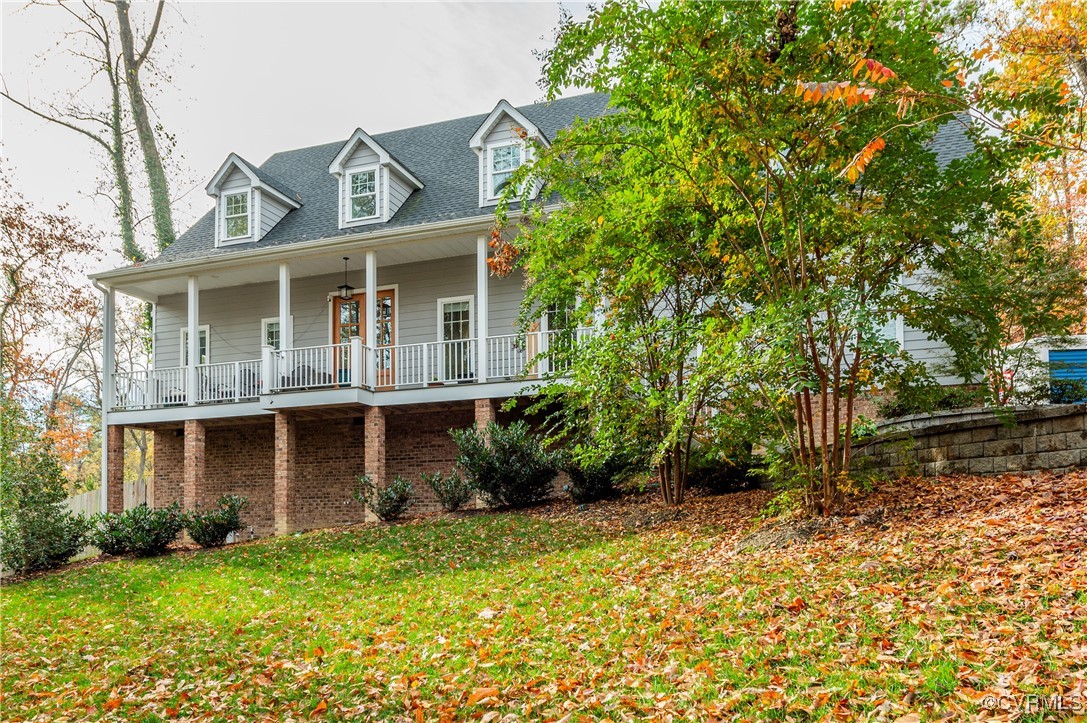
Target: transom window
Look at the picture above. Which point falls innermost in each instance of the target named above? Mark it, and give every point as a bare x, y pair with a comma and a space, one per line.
363, 191
504, 161
236, 214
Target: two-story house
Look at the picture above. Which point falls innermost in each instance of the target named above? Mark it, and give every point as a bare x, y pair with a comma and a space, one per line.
332, 315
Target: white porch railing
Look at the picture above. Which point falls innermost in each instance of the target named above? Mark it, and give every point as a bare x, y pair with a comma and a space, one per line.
150, 388
228, 382
432, 362
312, 367
508, 357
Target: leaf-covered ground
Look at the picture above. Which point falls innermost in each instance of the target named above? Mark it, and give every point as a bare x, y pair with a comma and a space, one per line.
961, 588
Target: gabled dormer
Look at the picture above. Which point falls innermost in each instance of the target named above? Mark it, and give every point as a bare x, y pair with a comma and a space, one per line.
248, 202
372, 183
503, 145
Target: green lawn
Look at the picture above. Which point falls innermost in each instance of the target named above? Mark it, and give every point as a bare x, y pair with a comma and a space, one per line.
547, 616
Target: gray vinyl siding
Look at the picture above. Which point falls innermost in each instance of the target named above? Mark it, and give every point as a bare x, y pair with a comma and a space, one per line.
236, 181
271, 213
504, 303
234, 314
399, 190
921, 347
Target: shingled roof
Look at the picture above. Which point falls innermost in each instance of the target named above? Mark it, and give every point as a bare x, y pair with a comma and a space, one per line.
438, 154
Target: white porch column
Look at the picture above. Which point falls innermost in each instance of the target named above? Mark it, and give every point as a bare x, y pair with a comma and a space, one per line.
109, 310
371, 318
286, 333
192, 385
482, 274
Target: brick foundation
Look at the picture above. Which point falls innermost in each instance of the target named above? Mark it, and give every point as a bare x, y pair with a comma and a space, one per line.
420, 442
329, 455
285, 472
115, 468
299, 473
169, 466
195, 463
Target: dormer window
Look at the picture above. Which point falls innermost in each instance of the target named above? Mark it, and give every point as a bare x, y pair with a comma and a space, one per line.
236, 215
504, 160
249, 202
505, 141
372, 183
364, 203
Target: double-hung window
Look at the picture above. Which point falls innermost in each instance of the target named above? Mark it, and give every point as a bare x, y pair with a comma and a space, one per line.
504, 160
362, 203
201, 343
236, 215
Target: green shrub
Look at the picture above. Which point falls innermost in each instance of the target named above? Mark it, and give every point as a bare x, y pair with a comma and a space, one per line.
719, 476
595, 478
211, 528
388, 503
507, 466
37, 531
1067, 391
143, 531
914, 391
452, 491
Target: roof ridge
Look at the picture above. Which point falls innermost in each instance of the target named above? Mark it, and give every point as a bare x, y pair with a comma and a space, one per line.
376, 136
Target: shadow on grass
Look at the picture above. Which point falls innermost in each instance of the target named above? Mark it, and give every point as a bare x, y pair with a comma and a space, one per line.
313, 567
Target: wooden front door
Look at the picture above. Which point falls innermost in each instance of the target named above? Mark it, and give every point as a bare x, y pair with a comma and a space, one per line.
349, 319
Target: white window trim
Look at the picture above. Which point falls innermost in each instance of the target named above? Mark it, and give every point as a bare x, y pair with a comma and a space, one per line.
204, 329
345, 196
471, 299
489, 169
264, 329
225, 240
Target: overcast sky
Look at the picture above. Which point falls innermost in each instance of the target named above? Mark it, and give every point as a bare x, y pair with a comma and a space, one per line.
261, 77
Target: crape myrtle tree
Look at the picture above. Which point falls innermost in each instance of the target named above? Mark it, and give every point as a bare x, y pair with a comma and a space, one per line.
781, 152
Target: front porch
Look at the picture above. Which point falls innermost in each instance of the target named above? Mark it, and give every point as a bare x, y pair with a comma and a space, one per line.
332, 371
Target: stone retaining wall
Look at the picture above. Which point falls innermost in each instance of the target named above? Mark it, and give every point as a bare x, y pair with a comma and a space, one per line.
1020, 440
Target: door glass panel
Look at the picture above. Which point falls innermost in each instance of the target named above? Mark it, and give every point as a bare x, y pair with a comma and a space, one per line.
456, 332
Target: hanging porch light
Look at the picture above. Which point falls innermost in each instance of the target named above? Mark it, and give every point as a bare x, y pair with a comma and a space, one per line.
346, 290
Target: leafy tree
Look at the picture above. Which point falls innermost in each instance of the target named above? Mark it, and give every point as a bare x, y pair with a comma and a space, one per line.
1039, 51
1014, 289
36, 530
780, 154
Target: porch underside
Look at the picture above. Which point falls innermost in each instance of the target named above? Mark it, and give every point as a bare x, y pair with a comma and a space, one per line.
298, 467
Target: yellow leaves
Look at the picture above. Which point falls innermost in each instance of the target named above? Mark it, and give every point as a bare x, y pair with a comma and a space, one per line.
840, 5
860, 161
873, 70
319, 709
846, 91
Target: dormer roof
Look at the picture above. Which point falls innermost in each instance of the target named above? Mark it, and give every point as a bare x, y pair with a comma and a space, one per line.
384, 157
504, 108
258, 178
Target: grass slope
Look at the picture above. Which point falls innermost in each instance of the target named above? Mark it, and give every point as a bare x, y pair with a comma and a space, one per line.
976, 587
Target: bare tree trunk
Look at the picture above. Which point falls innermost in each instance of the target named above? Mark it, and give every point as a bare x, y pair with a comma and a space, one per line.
152, 158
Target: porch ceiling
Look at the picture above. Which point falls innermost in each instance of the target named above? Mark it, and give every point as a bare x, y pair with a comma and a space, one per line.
156, 282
